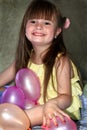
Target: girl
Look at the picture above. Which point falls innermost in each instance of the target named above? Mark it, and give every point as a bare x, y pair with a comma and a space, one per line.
41, 48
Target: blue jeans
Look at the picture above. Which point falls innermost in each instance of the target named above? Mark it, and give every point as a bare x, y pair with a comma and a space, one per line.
82, 124
0, 95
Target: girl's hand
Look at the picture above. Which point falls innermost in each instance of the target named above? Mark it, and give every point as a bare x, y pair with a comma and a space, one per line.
51, 111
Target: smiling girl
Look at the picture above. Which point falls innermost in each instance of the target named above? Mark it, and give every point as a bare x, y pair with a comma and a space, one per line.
41, 48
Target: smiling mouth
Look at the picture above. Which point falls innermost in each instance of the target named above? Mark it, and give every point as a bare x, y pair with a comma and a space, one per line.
38, 34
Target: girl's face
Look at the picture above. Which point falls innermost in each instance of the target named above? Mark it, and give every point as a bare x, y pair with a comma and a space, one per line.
40, 31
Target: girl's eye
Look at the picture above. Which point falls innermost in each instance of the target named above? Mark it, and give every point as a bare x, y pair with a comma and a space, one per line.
47, 23
33, 21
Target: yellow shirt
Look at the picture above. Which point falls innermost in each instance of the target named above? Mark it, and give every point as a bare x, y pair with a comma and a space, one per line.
73, 110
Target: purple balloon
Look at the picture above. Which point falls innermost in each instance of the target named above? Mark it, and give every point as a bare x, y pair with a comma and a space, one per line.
13, 95
67, 125
28, 81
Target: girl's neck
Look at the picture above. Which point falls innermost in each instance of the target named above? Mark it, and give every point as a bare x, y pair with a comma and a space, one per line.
36, 57
38, 54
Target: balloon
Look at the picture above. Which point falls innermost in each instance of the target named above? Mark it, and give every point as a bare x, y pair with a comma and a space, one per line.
29, 104
13, 95
67, 125
28, 81
13, 118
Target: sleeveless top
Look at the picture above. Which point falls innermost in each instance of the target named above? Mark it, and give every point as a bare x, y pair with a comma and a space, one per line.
74, 110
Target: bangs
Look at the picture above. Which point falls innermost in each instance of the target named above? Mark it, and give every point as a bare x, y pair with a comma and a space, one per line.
40, 13
42, 10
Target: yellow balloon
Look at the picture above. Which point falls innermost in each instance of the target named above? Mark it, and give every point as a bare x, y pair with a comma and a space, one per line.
13, 118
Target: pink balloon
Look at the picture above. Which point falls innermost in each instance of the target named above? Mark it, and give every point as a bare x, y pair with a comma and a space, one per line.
29, 104
67, 125
28, 81
13, 95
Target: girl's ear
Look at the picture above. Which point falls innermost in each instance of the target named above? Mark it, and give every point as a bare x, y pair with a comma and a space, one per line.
58, 32
67, 23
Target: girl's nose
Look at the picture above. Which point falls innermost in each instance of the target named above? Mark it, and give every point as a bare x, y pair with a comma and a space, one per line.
39, 25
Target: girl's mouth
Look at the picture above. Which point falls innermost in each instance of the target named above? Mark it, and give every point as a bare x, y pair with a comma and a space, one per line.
38, 34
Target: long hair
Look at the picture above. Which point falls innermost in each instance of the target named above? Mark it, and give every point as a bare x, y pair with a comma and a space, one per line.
47, 10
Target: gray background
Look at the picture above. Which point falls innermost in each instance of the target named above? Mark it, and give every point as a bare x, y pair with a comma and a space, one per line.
11, 13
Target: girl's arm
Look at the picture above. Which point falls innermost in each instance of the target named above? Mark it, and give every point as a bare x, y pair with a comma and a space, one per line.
7, 75
64, 74
35, 115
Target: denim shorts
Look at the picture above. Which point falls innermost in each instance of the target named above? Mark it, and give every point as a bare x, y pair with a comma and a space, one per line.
37, 128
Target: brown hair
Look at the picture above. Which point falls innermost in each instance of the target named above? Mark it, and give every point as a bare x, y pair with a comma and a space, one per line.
47, 10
